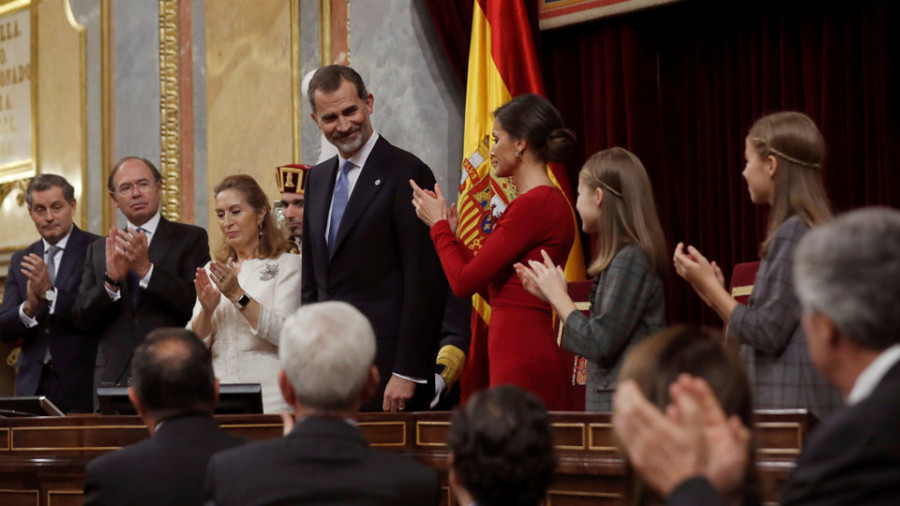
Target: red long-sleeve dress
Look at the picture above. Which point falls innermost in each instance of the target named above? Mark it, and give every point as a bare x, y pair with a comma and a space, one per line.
521, 347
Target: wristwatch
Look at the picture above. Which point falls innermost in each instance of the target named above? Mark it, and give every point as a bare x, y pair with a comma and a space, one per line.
242, 301
50, 295
110, 280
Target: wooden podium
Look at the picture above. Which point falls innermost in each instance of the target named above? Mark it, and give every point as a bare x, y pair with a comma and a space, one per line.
42, 460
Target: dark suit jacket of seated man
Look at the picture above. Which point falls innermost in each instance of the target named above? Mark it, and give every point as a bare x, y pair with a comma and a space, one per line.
323, 459
152, 284
175, 394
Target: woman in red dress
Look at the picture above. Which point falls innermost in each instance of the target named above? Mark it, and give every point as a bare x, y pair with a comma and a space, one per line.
522, 350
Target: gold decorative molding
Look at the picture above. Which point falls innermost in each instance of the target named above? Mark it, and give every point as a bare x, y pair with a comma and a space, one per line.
81, 30
170, 115
18, 184
106, 103
296, 95
324, 33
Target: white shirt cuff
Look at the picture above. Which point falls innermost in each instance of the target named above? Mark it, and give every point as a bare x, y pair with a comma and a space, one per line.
410, 378
114, 296
28, 321
145, 281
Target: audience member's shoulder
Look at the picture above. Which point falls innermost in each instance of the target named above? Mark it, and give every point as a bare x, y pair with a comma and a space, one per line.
404, 158
631, 256
120, 459
187, 228
289, 259
792, 227
403, 467
246, 454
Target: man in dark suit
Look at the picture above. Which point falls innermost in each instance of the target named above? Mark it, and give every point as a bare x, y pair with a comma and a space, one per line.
175, 392
326, 353
56, 358
845, 273
363, 244
140, 278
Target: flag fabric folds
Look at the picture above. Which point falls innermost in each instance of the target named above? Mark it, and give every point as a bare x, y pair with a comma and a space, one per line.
503, 63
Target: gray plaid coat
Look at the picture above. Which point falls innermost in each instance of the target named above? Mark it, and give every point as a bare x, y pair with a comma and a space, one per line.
773, 345
627, 305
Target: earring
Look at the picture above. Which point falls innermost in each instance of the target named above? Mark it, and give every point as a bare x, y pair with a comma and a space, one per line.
518, 155
260, 230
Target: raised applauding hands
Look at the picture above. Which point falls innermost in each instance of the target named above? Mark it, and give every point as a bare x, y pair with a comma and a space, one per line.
544, 280
35, 269
126, 250
222, 278
431, 207
706, 279
692, 438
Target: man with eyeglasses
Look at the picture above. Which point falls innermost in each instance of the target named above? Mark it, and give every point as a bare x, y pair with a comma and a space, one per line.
138, 278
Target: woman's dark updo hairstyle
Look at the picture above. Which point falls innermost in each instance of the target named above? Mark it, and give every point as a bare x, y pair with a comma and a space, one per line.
533, 118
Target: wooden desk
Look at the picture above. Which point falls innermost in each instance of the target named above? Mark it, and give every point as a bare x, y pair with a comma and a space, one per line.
42, 460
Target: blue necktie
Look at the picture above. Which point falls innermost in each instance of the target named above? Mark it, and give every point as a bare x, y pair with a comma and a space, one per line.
339, 203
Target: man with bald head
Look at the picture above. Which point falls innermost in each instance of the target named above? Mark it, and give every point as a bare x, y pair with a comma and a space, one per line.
175, 392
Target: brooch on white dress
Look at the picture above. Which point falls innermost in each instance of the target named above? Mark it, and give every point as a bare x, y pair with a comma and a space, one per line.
269, 272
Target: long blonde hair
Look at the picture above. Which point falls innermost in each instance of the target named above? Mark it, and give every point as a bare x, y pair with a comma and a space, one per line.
795, 141
628, 213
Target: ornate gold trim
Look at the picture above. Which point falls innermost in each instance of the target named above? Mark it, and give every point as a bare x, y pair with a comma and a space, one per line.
401, 425
13, 6
590, 431
296, 94
51, 493
570, 426
760, 426
105, 112
251, 425
82, 110
18, 184
28, 491
169, 114
419, 432
740, 291
575, 493
35, 79
324, 33
4, 437
14, 430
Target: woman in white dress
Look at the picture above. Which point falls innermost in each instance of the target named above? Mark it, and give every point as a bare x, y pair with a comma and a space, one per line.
245, 294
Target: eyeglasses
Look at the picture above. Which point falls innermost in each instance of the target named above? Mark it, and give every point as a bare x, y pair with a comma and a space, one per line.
143, 186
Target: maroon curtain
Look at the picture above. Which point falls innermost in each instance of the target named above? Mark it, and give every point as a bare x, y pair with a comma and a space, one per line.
681, 85
452, 20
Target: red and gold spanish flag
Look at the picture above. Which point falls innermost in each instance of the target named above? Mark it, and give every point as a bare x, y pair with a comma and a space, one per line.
503, 63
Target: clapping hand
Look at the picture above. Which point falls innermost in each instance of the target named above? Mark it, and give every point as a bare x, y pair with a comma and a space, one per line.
207, 293
702, 274
544, 279
431, 207
692, 438
225, 278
